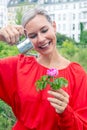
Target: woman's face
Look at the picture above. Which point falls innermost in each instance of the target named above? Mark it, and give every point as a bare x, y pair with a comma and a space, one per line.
42, 34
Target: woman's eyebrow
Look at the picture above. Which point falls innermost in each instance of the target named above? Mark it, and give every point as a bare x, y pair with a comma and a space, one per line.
43, 27
31, 33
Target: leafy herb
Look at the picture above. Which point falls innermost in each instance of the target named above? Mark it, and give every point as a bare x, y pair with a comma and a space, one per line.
51, 79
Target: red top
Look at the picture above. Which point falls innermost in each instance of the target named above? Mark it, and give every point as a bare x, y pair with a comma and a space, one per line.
32, 109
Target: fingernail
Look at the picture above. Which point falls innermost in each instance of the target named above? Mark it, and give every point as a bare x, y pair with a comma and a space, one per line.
49, 91
48, 99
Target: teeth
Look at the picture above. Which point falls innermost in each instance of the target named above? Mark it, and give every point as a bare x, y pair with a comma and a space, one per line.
43, 46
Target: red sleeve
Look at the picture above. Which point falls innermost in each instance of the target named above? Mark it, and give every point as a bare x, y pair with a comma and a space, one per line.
8, 78
75, 115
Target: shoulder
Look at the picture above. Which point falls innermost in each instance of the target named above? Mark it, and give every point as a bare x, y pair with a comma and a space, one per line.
15, 59
8, 63
9, 59
26, 58
76, 68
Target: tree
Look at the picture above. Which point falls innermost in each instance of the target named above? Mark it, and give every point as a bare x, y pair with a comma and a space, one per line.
18, 19
61, 38
83, 34
18, 16
83, 37
69, 49
81, 27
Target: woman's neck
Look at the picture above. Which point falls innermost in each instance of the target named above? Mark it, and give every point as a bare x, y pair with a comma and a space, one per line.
54, 60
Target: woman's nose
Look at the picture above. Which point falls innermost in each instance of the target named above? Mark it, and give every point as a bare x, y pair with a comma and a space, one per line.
41, 37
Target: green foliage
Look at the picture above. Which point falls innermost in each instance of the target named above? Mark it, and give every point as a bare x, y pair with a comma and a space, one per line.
55, 83
75, 53
81, 27
6, 50
83, 34
19, 16
68, 49
61, 38
7, 118
81, 57
59, 83
83, 37
41, 84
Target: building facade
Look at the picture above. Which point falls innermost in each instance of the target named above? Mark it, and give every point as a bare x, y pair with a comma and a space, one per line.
68, 14
3, 13
15, 6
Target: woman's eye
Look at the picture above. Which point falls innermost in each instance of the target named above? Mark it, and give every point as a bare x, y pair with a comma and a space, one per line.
32, 36
44, 30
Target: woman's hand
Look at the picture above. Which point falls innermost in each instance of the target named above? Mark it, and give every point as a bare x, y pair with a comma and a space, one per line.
59, 100
11, 33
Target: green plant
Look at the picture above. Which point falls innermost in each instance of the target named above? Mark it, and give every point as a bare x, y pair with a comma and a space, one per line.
51, 79
68, 49
7, 118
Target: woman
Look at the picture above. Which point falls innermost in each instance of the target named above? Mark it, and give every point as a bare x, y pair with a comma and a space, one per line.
64, 109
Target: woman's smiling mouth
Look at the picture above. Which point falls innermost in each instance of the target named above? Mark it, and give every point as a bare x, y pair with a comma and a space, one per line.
45, 45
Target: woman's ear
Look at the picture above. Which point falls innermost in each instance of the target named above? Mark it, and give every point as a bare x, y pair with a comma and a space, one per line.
54, 25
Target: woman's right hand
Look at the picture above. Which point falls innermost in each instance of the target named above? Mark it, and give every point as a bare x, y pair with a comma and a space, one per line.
11, 33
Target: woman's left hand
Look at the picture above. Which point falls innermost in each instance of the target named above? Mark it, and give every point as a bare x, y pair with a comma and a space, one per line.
59, 100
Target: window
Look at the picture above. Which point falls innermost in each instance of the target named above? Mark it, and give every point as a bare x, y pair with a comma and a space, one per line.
64, 16
59, 27
74, 16
59, 17
84, 15
73, 36
64, 27
74, 6
73, 27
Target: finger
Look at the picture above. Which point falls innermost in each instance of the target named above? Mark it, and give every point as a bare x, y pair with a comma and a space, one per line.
16, 35
4, 35
63, 92
56, 101
59, 106
58, 109
20, 29
11, 35
56, 94
59, 96
65, 96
